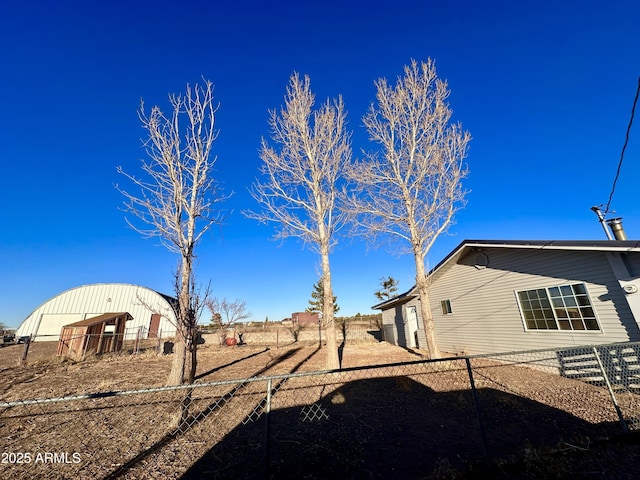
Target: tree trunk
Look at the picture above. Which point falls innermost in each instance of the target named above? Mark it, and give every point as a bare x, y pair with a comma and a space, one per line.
193, 350
184, 331
422, 285
333, 359
176, 375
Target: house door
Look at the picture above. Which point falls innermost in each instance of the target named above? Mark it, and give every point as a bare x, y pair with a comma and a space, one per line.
412, 326
154, 325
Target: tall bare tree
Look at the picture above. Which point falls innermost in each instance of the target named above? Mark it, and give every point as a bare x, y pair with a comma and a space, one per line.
177, 200
302, 178
410, 187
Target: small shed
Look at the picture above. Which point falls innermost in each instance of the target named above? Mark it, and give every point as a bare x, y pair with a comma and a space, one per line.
104, 333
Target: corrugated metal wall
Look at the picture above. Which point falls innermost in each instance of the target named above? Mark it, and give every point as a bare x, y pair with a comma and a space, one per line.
91, 300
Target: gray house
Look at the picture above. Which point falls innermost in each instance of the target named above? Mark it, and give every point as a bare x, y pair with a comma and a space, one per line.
495, 296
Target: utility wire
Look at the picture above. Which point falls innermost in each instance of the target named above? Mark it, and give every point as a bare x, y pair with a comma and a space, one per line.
624, 147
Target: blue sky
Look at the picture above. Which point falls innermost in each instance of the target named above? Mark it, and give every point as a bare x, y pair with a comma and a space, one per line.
544, 87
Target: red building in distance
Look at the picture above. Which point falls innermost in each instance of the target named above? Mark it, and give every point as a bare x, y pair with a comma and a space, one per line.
305, 318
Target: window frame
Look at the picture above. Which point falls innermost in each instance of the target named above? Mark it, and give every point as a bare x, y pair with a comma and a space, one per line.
445, 306
570, 300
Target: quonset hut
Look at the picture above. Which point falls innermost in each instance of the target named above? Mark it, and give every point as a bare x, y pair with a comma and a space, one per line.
153, 314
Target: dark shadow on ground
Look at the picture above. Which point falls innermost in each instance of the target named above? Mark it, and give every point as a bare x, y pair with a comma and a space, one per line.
389, 428
197, 417
413, 351
376, 334
221, 367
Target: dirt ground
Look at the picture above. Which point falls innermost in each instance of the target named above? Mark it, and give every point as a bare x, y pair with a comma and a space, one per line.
400, 422
46, 375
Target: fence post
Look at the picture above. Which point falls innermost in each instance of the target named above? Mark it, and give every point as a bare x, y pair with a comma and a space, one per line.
623, 424
267, 432
136, 346
159, 341
25, 351
485, 447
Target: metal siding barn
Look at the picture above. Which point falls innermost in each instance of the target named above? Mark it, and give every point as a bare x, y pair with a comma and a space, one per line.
45, 322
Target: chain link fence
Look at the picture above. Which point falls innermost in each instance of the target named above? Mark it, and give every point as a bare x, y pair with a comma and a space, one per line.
411, 419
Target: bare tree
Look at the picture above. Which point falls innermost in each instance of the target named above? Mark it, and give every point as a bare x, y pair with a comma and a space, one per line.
410, 188
228, 312
177, 200
302, 178
225, 314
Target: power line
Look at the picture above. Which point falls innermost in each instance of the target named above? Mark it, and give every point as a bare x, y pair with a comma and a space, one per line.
624, 147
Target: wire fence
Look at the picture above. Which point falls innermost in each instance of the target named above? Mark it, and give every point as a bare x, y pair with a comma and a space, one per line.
347, 333
135, 341
402, 420
79, 347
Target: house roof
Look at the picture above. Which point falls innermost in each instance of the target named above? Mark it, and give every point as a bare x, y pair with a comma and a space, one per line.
403, 297
589, 245
466, 245
105, 317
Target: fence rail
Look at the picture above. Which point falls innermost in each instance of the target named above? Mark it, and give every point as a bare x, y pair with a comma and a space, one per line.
136, 340
349, 333
404, 419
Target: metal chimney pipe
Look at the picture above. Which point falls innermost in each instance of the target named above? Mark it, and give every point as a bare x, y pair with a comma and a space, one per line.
601, 219
615, 224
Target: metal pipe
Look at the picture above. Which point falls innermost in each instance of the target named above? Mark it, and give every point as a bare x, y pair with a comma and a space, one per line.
601, 219
476, 402
267, 431
615, 224
623, 423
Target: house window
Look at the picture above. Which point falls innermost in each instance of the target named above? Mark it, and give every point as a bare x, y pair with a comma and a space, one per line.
565, 307
446, 307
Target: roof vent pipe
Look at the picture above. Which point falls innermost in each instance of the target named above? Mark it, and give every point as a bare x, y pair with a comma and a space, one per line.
601, 219
615, 224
